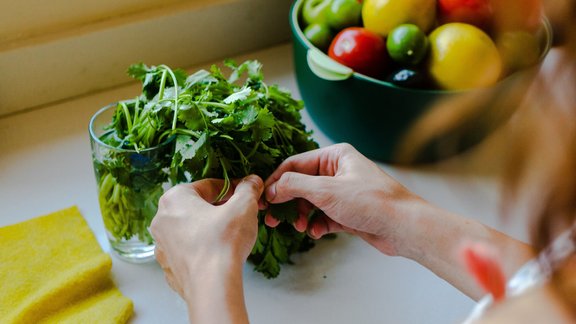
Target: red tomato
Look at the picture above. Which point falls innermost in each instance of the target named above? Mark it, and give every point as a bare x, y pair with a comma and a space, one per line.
361, 50
474, 12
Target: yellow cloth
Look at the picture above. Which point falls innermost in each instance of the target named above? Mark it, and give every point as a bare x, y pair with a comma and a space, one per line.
52, 270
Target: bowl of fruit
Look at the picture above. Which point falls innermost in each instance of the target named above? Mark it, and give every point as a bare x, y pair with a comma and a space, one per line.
368, 70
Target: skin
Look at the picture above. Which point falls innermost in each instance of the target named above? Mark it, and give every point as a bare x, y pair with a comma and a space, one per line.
202, 245
360, 198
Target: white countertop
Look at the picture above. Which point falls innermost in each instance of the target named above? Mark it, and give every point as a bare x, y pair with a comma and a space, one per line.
45, 165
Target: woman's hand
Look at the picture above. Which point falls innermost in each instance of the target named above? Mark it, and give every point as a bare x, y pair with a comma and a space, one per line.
355, 195
201, 245
358, 197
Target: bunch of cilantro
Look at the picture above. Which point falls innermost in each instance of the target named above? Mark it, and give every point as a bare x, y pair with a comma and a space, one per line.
218, 127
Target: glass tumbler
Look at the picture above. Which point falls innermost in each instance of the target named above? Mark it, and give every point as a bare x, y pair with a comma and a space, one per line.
130, 183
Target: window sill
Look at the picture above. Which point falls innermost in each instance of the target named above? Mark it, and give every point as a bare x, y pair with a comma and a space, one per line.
41, 71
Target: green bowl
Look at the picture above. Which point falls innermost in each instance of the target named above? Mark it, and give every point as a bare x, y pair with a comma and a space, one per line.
371, 114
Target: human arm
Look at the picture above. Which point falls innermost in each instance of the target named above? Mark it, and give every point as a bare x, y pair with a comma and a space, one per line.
358, 197
202, 246
541, 304
438, 242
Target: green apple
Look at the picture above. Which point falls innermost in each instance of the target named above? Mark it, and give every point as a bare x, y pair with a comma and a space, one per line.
319, 35
344, 13
314, 11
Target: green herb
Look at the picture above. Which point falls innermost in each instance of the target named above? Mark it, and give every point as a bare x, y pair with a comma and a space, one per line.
218, 127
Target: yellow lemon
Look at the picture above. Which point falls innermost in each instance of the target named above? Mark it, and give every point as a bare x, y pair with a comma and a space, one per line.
381, 16
463, 57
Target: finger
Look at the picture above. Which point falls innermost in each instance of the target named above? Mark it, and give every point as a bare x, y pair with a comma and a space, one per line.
307, 163
248, 191
304, 208
233, 184
301, 223
297, 185
323, 225
206, 190
262, 203
322, 161
270, 220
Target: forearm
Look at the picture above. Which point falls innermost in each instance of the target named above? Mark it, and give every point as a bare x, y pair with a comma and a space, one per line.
214, 294
435, 236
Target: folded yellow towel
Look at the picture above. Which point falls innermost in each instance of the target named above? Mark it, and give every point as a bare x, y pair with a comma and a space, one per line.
52, 270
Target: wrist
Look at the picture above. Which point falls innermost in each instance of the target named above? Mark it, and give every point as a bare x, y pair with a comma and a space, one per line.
415, 231
212, 284
397, 226
207, 272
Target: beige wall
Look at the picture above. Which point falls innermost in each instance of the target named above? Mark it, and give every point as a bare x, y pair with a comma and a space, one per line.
94, 55
27, 18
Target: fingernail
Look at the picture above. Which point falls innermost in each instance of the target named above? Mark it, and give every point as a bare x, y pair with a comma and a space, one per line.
300, 225
271, 221
250, 178
314, 233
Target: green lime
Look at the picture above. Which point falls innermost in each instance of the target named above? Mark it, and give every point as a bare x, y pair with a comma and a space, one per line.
344, 13
319, 35
407, 44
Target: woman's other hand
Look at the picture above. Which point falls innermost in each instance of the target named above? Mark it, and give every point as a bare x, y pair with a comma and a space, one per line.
202, 244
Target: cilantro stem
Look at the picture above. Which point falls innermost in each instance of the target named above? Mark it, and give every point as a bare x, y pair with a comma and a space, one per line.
162, 85
243, 158
127, 114
175, 82
227, 108
190, 132
226, 187
287, 125
281, 136
254, 149
136, 112
106, 184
